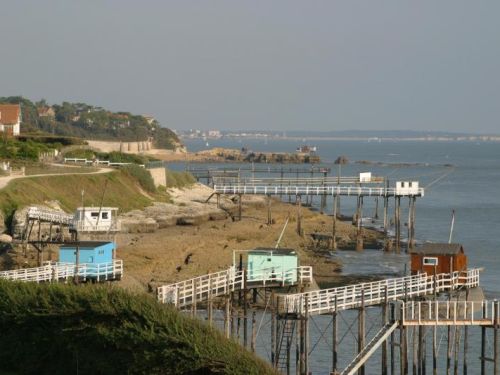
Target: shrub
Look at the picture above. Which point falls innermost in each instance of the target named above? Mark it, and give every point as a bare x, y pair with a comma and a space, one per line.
142, 176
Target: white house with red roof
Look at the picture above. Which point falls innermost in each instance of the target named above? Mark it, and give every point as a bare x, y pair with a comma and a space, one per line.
10, 119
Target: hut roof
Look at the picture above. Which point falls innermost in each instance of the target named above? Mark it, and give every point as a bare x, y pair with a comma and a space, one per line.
85, 244
439, 249
274, 251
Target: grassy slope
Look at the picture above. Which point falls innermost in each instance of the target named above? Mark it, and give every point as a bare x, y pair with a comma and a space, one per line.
58, 329
121, 191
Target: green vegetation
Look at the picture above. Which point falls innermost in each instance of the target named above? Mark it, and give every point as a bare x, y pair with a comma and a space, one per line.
60, 329
179, 179
12, 149
85, 121
114, 156
142, 176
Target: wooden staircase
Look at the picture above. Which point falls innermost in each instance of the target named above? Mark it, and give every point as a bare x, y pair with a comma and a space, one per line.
370, 348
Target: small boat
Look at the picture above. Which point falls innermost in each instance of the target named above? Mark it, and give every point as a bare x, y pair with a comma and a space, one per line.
306, 149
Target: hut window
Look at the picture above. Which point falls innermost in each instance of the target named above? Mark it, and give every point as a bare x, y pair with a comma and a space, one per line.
430, 261
105, 215
94, 215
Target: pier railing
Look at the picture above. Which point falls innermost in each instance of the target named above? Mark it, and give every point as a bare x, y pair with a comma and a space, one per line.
328, 300
55, 271
449, 312
292, 181
216, 284
200, 288
317, 190
48, 215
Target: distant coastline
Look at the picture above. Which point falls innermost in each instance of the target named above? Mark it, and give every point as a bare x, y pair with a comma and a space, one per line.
364, 136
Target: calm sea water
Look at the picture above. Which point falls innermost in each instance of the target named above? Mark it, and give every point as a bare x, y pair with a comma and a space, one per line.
471, 187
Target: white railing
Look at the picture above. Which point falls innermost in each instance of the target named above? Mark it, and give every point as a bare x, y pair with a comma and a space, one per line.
449, 312
270, 275
278, 189
89, 226
350, 296
221, 179
55, 271
201, 288
204, 287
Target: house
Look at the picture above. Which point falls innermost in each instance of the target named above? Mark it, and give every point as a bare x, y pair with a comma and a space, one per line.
96, 220
407, 188
438, 258
10, 119
96, 259
90, 252
46, 112
269, 263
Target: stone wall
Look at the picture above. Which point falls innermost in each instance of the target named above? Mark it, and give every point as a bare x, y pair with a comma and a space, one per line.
125, 147
159, 176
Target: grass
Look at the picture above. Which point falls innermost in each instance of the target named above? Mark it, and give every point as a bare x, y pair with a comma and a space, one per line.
42, 168
179, 179
59, 329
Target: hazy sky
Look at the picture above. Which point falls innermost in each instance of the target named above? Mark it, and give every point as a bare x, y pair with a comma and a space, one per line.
284, 65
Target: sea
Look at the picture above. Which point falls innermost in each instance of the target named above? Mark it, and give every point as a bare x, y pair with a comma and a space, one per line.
460, 177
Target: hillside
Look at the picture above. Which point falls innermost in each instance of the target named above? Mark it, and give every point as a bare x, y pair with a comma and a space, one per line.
91, 122
60, 329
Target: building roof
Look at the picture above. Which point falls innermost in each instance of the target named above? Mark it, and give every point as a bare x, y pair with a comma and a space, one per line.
45, 111
85, 244
10, 114
439, 249
273, 250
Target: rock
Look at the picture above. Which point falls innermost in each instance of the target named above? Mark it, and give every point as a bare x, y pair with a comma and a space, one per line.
5, 238
138, 224
342, 160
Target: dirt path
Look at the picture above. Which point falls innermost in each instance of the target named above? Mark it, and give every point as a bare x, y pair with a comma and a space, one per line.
4, 181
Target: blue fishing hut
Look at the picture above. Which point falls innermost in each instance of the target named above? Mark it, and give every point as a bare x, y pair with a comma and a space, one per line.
269, 263
90, 252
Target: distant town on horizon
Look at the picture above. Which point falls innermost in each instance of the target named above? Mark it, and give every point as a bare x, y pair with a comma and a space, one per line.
341, 135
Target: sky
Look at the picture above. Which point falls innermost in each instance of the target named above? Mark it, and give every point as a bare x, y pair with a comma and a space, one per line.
262, 64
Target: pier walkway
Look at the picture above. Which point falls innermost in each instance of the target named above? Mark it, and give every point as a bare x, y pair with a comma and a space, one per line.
319, 189
203, 288
325, 301
55, 271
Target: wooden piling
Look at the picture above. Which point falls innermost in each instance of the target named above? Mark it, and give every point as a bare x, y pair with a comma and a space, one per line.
415, 350
254, 333
334, 337
273, 329
240, 203
361, 329
227, 317
385, 321
448, 352
245, 307
334, 222
483, 344
496, 315
306, 337
269, 217
434, 349
359, 217
299, 215
397, 223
